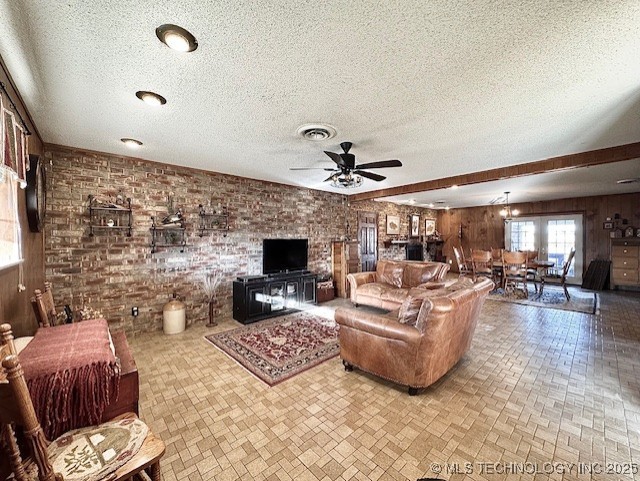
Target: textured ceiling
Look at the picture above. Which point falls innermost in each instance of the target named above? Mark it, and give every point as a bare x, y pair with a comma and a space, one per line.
448, 87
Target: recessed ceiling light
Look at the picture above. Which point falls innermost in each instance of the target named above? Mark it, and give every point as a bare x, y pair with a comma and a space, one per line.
454, 186
447, 208
412, 201
316, 132
131, 143
151, 98
176, 38
430, 205
629, 181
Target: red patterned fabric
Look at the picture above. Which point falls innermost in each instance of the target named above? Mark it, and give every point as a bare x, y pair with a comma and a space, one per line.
72, 375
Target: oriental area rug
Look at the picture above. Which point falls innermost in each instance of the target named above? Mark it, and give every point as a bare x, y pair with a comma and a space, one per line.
277, 349
552, 297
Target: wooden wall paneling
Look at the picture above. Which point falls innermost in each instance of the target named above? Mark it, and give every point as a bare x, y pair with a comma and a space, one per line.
15, 307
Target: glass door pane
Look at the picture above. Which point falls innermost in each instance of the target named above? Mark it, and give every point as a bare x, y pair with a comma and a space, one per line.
552, 236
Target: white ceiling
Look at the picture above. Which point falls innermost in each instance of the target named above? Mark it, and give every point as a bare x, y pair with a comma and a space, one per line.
448, 87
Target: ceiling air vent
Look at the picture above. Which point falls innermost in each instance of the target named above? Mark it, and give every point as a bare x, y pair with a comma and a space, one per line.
316, 132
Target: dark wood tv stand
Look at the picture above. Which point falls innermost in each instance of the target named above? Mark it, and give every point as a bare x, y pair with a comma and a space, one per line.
259, 297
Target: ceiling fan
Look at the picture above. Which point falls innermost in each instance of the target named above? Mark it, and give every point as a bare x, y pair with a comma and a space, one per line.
347, 173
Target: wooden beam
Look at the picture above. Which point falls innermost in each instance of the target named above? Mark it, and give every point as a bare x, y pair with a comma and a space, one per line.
553, 164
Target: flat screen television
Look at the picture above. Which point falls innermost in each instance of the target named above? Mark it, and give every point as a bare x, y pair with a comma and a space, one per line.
284, 255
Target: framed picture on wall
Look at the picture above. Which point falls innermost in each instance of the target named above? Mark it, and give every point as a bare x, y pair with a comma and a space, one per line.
393, 224
415, 225
430, 227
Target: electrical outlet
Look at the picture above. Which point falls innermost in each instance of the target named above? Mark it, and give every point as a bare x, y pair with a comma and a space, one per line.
134, 311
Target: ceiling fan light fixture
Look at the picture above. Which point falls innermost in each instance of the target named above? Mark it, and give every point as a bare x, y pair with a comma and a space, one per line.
151, 98
131, 143
176, 38
346, 181
316, 132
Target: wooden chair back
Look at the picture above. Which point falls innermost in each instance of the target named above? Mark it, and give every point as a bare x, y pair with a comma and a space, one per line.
567, 265
463, 267
514, 269
531, 256
565, 272
44, 307
481, 263
496, 253
16, 408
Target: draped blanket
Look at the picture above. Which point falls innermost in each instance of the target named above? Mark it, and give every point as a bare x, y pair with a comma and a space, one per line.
72, 375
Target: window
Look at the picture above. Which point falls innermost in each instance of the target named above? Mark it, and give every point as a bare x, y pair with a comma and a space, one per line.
523, 235
10, 247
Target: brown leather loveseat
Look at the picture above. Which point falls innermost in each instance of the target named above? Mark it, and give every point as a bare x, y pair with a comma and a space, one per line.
389, 285
421, 342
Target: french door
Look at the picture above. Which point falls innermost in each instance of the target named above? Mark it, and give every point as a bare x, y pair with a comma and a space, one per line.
553, 236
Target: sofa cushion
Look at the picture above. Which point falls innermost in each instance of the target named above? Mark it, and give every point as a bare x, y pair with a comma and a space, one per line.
372, 289
419, 273
389, 272
411, 307
396, 295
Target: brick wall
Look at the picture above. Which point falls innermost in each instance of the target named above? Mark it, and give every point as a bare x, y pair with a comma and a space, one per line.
113, 273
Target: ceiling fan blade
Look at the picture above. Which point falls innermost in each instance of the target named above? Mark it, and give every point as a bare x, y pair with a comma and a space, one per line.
336, 158
349, 160
311, 168
370, 175
380, 164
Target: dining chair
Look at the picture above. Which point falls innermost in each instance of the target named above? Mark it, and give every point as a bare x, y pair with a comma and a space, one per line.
481, 264
463, 265
514, 270
116, 450
44, 307
496, 254
532, 270
565, 271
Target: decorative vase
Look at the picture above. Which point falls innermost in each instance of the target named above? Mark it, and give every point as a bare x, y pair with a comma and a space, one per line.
212, 312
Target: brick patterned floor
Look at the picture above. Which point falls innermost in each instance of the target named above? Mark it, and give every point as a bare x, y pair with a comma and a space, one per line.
538, 386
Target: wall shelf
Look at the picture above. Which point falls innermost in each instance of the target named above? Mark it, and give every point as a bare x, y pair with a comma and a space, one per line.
168, 235
105, 217
216, 221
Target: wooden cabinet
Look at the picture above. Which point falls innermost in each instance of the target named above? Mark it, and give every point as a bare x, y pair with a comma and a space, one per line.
259, 297
345, 259
625, 262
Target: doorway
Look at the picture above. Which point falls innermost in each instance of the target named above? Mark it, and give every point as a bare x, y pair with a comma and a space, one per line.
553, 236
368, 238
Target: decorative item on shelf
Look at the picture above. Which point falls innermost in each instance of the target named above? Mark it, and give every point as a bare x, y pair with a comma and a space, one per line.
616, 233
104, 215
209, 284
607, 224
217, 220
629, 231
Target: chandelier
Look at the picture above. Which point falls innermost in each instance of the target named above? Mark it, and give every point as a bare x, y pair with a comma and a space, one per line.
506, 211
346, 181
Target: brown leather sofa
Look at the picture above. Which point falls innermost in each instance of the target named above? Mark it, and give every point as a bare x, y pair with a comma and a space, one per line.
421, 342
389, 285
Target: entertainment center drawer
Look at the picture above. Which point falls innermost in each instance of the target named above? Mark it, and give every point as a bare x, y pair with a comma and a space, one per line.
624, 251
